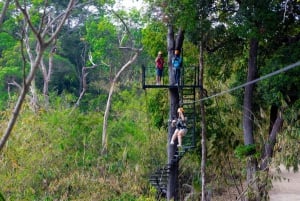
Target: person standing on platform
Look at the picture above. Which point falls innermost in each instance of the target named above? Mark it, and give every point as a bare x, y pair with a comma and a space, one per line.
177, 64
159, 64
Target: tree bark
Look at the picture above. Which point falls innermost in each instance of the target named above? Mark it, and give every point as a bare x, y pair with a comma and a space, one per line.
179, 40
32, 88
269, 145
247, 105
247, 111
47, 74
174, 99
172, 187
203, 126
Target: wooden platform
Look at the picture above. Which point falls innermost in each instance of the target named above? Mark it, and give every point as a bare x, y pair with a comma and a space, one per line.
145, 86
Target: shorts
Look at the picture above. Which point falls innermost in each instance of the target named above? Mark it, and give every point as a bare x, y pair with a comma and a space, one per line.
159, 72
183, 130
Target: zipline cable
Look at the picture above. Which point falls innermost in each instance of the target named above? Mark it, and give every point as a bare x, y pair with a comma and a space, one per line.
251, 82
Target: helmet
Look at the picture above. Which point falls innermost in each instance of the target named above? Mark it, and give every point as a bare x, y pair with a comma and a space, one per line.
180, 109
159, 52
176, 51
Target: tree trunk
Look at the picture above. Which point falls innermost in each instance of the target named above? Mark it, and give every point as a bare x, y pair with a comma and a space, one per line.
247, 113
269, 145
179, 40
174, 100
34, 96
47, 74
172, 187
171, 45
203, 125
106, 113
268, 152
3, 12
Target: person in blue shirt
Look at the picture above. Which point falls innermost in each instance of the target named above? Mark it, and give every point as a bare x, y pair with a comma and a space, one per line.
176, 64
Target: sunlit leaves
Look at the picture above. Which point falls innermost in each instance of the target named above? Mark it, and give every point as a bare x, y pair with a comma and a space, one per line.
102, 35
154, 38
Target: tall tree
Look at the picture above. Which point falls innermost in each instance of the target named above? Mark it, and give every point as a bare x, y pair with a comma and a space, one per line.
262, 21
248, 110
120, 43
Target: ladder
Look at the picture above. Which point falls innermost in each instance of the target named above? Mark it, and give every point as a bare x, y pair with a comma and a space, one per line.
159, 179
187, 95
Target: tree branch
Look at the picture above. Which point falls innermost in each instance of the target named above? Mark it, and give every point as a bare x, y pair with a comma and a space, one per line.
3, 12
34, 66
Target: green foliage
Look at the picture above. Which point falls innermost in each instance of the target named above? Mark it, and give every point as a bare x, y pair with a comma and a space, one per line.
154, 38
10, 71
6, 42
102, 35
285, 86
287, 147
2, 197
243, 151
64, 150
157, 107
54, 155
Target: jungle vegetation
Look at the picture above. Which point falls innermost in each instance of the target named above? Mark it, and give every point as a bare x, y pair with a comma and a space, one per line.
59, 61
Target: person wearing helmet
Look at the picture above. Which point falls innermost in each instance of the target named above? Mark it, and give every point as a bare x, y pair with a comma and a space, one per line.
181, 129
176, 63
159, 64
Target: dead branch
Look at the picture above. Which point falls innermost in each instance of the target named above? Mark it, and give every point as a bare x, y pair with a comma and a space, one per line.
84, 74
14, 83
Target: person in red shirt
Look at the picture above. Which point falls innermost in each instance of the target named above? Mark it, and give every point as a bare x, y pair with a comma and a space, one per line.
159, 64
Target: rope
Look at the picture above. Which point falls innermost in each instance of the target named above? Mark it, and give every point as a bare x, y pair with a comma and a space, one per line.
289, 67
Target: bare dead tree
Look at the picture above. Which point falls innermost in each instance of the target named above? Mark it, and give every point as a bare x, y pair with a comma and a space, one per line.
112, 87
46, 72
84, 75
113, 83
42, 43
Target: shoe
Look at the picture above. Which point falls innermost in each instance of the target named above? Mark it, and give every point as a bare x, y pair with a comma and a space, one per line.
179, 145
171, 142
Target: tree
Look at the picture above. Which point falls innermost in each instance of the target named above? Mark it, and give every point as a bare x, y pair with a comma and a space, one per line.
106, 113
43, 42
107, 48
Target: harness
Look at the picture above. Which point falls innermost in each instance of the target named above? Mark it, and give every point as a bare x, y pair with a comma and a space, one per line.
180, 124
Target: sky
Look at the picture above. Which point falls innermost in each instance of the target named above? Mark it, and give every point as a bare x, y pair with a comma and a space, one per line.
128, 4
